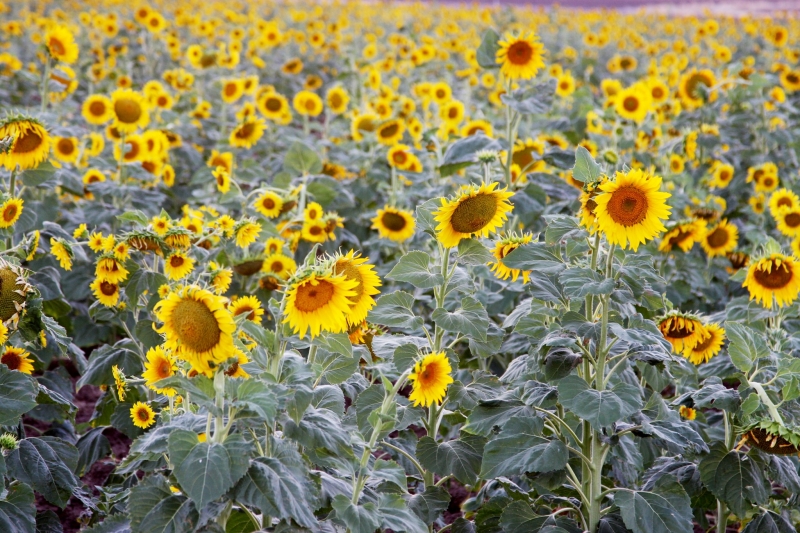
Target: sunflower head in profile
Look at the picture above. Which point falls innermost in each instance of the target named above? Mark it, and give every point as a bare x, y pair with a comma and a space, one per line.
430, 379
394, 224
130, 110
630, 208
695, 87
683, 235
355, 268
318, 300
14, 291
142, 415
520, 56
704, 350
30, 142
17, 359
772, 437
773, 276
503, 247
682, 330
587, 215
159, 365
720, 239
476, 210
196, 323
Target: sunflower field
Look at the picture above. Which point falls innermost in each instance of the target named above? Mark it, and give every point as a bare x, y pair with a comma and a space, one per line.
359, 267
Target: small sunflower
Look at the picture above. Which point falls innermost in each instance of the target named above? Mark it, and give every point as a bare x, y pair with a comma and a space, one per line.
773, 276
61, 251
246, 134
683, 235
783, 198
475, 210
142, 415
394, 224
10, 211
722, 176
97, 109
520, 57
314, 231
788, 221
111, 270
235, 369
689, 87
272, 105
703, 351
720, 239
319, 302
391, 132
430, 379
307, 103
503, 247
130, 110
178, 265
61, 44
120, 382
107, 293
630, 209
688, 413
337, 99
355, 268
159, 365
246, 233
17, 359
249, 306
633, 103
279, 265
682, 330
222, 178
269, 204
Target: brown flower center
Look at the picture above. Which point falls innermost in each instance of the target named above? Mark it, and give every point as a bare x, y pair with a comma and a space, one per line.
11, 359
97, 108
631, 103
273, 104
393, 221
473, 213
27, 142
627, 206
792, 220
196, 325
777, 278
389, 131
108, 289
520, 53
311, 297
718, 238
56, 47
128, 110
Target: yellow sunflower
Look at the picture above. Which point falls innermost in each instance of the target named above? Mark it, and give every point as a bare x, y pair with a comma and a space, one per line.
279, 265
723, 173
111, 270
355, 268
61, 251
249, 306
246, 233
503, 247
704, 350
107, 293
319, 302
61, 44
142, 415
196, 324
337, 99
720, 239
159, 365
689, 413
178, 265
783, 198
30, 145
17, 359
307, 103
391, 132
682, 330
130, 110
10, 212
630, 209
394, 224
246, 134
520, 57
235, 370
788, 221
475, 210
430, 379
66, 149
97, 109
314, 231
775, 275
689, 87
683, 235
633, 103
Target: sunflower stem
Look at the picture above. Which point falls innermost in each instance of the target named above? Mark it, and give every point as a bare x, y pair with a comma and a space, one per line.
45, 94
510, 134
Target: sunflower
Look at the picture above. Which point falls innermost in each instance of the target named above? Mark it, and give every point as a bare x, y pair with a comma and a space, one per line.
520, 57
246, 233
97, 109
474, 127
232, 90
337, 99
394, 224
775, 275
196, 324
17, 359
246, 134
319, 302
248, 306
363, 124
107, 293
633, 103
400, 157
703, 351
31, 143
10, 211
314, 231
689, 86
676, 163
130, 110
159, 365
307, 103
682, 330
689, 413
221, 278
120, 382
222, 178
503, 247
788, 221
723, 173
142, 415
683, 235
61, 251
111, 270
235, 369
783, 198
61, 45
279, 265
354, 268
272, 105
221, 159
430, 379
720, 239
630, 209
475, 210
391, 132
66, 149
178, 265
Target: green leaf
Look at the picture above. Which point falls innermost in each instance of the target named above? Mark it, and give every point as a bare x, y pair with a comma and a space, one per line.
358, 518
473, 252
460, 458
535, 256
117, 523
487, 51
495, 412
751, 404
520, 448
396, 515
17, 395
122, 354
92, 446
46, 464
559, 362
277, 491
461, 153
714, 394
580, 282
586, 168
734, 478
334, 368
518, 517
320, 428
390, 471
430, 503
746, 345
394, 310
535, 100
300, 159
415, 268
769, 522
647, 512
153, 508
259, 398
34, 177
134, 215
599, 408
471, 320
17, 510
240, 522
425, 215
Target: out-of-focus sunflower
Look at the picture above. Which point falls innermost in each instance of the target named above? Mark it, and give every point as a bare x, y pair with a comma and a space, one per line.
520, 57
30, 145
720, 239
394, 224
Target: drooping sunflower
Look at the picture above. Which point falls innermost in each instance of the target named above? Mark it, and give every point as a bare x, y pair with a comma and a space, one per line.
703, 351
61, 44
720, 239
475, 210
394, 224
682, 330
773, 276
683, 235
318, 302
355, 268
178, 265
196, 324
503, 247
159, 365
520, 57
111, 270
142, 415
61, 251
107, 293
783, 198
30, 145
17, 359
10, 211
430, 379
248, 306
630, 208
246, 134
130, 110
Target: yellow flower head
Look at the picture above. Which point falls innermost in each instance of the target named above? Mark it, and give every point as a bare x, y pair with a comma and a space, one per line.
520, 57
142, 415
430, 379
475, 210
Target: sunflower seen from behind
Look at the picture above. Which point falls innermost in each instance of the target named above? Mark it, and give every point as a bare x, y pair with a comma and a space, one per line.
475, 210
430, 379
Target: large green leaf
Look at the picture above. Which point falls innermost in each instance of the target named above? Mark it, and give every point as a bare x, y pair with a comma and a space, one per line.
520, 448
473, 252
259, 397
769, 522
334, 368
430, 503
487, 51
300, 159
395, 310
518, 517
460, 458
415, 268
586, 168
396, 515
461, 153
17, 395
153, 508
471, 320
47, 464
599, 408
579, 282
122, 354
17, 510
734, 478
647, 512
92, 446
358, 518
746, 345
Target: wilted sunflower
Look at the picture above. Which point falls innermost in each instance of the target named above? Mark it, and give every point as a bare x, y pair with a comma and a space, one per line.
475, 210
10, 212
394, 224
159, 365
248, 306
17, 359
630, 209
503, 247
130, 110
703, 351
682, 330
520, 57
720, 239
317, 302
107, 293
355, 268
683, 235
775, 275
30, 143
246, 134
430, 379
196, 324
142, 415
